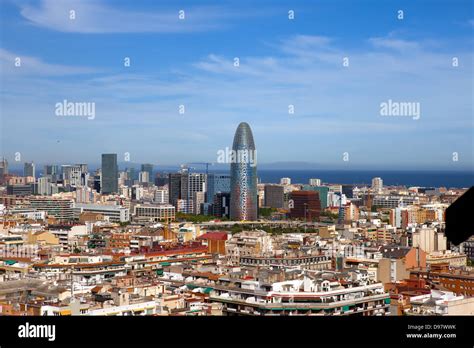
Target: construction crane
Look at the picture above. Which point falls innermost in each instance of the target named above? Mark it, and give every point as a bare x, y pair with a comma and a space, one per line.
207, 164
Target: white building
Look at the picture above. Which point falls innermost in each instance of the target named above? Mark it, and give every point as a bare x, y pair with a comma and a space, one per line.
72, 174
377, 185
441, 303
144, 177
285, 181
152, 212
44, 186
315, 182
429, 239
114, 213
198, 199
161, 196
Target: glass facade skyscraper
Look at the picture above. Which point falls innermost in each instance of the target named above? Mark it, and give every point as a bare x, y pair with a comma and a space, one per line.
109, 181
243, 176
217, 183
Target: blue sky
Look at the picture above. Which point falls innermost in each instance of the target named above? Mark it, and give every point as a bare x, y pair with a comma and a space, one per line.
282, 62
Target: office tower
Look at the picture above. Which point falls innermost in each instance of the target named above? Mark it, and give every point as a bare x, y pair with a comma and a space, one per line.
221, 205
53, 171
315, 182
161, 197
149, 169
377, 185
217, 183
132, 175
137, 192
84, 179
3, 168
348, 190
84, 168
122, 180
44, 186
109, 183
191, 183
72, 174
285, 181
323, 192
29, 169
144, 177
243, 176
274, 196
174, 187
305, 205
198, 199
161, 180
97, 181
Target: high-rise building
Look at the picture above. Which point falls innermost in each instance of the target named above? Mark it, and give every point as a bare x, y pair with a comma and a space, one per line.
132, 175
377, 184
3, 168
323, 194
198, 199
348, 190
285, 181
305, 205
243, 176
274, 196
315, 182
144, 177
109, 179
191, 183
221, 204
97, 180
160, 180
161, 197
53, 171
149, 169
72, 174
29, 169
44, 186
217, 183
174, 187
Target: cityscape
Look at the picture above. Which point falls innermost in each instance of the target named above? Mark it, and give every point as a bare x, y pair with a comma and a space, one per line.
197, 172
191, 243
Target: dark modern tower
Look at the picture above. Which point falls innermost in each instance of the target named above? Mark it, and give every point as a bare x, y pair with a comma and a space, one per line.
174, 187
109, 180
243, 176
29, 169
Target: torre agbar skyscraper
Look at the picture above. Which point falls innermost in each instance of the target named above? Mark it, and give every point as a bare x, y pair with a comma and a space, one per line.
243, 176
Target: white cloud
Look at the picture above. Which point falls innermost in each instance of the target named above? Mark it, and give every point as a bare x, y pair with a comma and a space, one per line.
397, 44
32, 66
334, 105
94, 16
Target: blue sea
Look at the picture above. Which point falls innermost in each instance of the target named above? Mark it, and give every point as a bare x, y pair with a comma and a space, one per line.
449, 179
